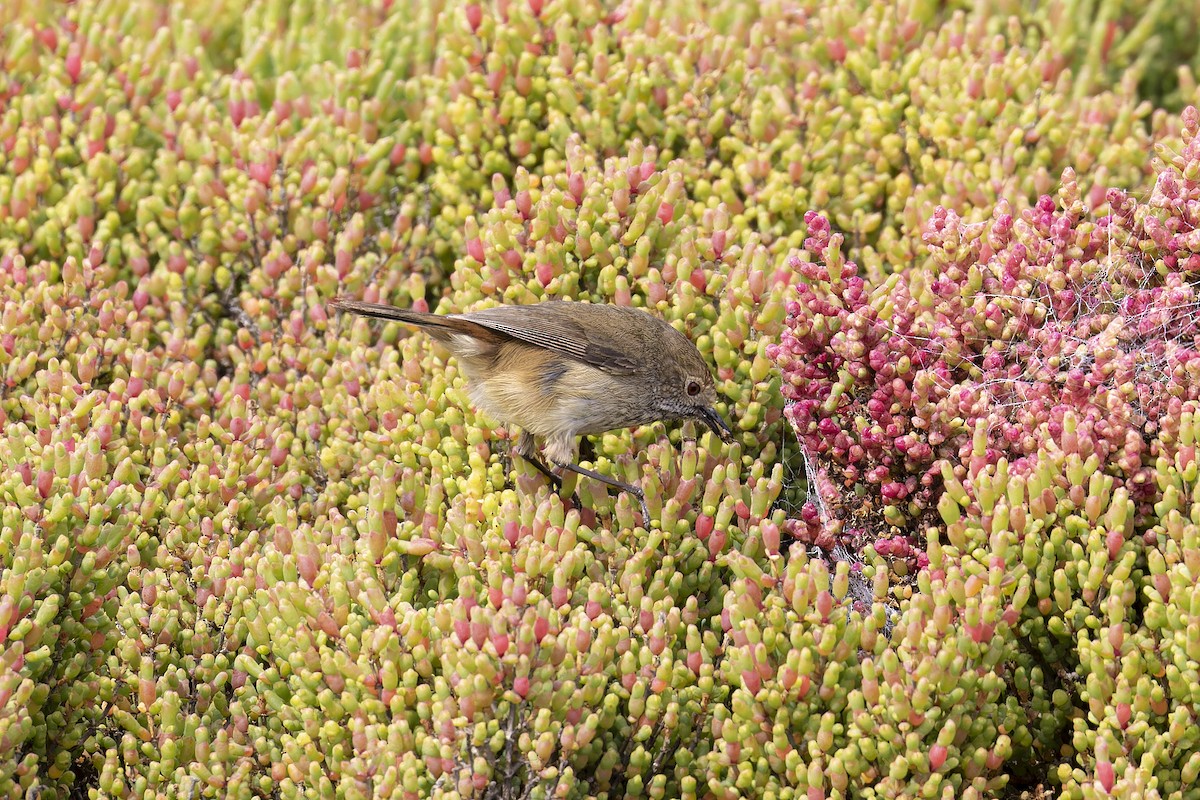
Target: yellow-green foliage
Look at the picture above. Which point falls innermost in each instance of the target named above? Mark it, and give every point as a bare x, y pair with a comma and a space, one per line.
249, 550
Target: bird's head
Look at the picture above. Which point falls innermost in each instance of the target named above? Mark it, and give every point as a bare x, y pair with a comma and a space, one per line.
686, 388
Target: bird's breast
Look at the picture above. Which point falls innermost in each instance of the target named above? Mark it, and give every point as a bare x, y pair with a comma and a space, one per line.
549, 395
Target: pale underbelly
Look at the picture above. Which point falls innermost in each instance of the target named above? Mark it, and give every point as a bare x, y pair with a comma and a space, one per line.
559, 413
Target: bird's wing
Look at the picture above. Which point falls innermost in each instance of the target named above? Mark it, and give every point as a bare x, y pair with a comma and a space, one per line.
555, 326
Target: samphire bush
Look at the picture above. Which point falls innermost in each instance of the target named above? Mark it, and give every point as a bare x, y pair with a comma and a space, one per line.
1019, 413
248, 549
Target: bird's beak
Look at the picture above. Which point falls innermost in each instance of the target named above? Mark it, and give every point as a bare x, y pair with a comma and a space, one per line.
714, 421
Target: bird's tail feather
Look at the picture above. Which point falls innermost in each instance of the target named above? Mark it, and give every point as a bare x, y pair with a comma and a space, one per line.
434, 323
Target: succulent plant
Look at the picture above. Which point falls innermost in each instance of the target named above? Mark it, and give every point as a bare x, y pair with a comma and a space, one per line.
250, 549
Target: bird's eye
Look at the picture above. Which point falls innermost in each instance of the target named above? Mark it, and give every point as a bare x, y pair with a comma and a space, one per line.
693, 388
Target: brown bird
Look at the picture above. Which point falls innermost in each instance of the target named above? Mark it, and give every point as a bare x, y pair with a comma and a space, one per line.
559, 370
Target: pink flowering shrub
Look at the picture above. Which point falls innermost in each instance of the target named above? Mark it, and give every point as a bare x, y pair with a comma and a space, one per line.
1011, 333
1022, 406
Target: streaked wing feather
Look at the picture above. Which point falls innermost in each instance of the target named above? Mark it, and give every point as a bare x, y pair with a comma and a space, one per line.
546, 325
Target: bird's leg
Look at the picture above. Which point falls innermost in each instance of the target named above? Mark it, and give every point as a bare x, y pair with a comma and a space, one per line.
542, 468
506, 464
587, 450
616, 484
526, 448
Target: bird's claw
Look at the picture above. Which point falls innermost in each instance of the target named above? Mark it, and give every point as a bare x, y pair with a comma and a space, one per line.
641, 498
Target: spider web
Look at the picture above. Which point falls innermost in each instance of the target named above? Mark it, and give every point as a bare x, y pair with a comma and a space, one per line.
801, 485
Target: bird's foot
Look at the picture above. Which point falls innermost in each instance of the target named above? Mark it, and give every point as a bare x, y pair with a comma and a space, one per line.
636, 491
542, 468
641, 498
